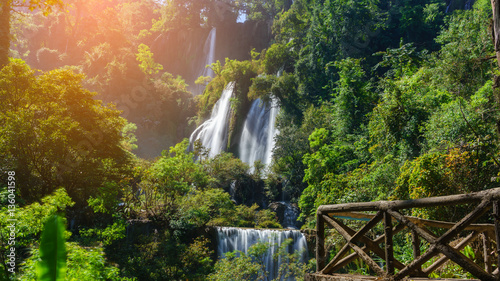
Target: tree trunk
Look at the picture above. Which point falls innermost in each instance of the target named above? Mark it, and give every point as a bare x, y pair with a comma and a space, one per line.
495, 5
5, 6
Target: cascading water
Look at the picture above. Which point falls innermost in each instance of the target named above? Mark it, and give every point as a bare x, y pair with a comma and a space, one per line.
290, 215
257, 138
209, 58
230, 239
213, 132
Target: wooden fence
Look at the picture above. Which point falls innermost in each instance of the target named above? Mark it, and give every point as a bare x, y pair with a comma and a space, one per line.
439, 247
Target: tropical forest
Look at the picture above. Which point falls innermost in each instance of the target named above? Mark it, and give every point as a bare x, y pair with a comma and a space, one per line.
196, 139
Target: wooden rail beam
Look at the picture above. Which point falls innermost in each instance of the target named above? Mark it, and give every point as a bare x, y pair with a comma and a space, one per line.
370, 244
480, 210
443, 259
388, 211
369, 261
418, 221
336, 265
465, 262
356, 236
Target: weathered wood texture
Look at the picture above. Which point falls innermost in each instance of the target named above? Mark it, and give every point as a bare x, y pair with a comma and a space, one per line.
459, 234
354, 277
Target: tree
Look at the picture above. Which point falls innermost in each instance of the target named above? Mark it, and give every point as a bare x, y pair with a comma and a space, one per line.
354, 97
335, 34
6, 7
54, 133
495, 6
147, 65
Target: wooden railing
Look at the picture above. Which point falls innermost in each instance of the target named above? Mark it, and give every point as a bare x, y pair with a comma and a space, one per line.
458, 234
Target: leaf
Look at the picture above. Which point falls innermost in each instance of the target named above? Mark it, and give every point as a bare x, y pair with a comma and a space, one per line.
52, 266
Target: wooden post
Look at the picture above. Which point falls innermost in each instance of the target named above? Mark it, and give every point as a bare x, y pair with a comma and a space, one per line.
486, 254
415, 242
389, 247
320, 242
496, 217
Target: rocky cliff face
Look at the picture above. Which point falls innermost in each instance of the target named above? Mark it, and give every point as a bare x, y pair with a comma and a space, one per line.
180, 51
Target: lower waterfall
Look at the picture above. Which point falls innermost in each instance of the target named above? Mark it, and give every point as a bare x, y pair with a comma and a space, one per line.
230, 239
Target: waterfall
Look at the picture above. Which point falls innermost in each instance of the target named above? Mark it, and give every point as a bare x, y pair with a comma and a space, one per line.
230, 239
209, 51
208, 59
257, 138
213, 132
290, 215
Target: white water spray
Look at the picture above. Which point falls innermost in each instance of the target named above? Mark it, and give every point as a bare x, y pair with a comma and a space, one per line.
213, 133
259, 130
208, 59
230, 239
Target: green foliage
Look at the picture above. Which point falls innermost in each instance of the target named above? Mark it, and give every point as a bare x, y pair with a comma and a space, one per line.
401, 61
466, 45
462, 121
147, 63
292, 144
175, 171
260, 10
335, 34
31, 218
188, 15
82, 264
54, 133
222, 168
252, 217
207, 207
275, 58
161, 255
129, 138
108, 235
419, 124
238, 266
424, 123
462, 169
52, 264
30, 222
284, 88
416, 21
172, 176
106, 199
354, 97
395, 123
235, 266
241, 72
291, 26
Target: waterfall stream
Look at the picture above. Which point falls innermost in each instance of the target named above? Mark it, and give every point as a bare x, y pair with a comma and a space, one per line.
257, 138
213, 133
208, 59
230, 239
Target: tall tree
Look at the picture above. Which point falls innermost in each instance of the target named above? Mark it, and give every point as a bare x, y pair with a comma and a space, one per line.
6, 8
54, 133
495, 5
